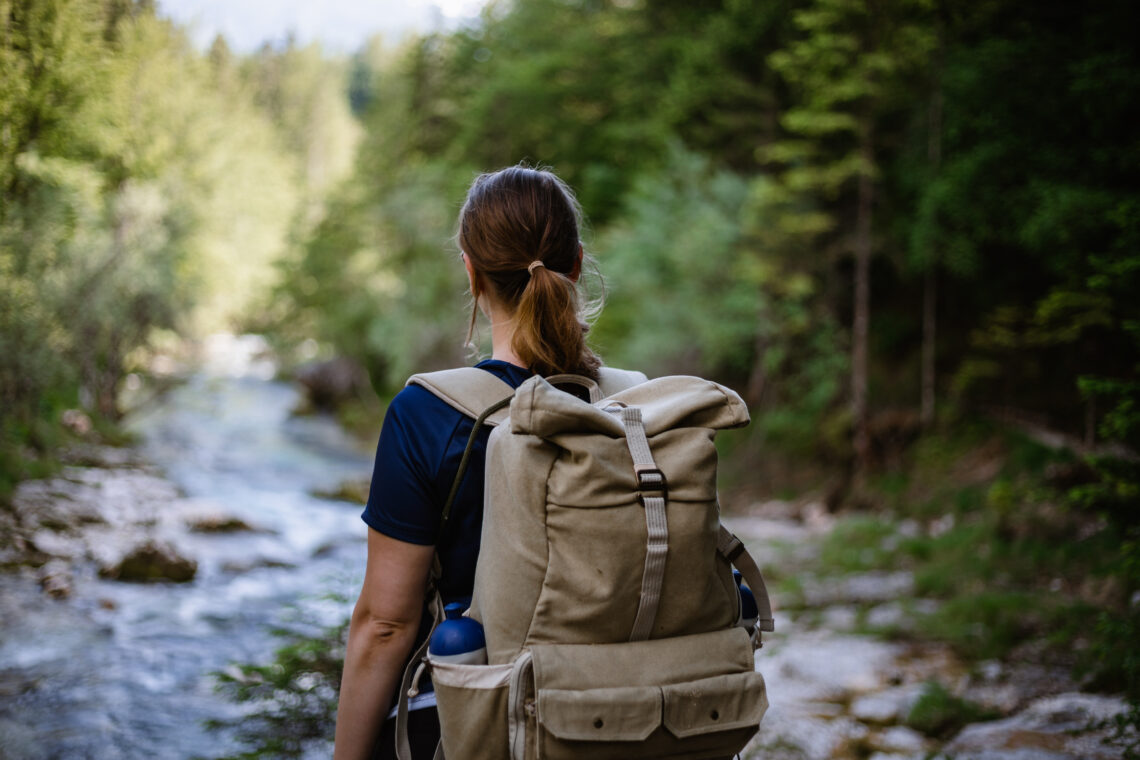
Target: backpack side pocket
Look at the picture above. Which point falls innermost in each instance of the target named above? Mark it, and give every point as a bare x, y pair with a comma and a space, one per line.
474, 704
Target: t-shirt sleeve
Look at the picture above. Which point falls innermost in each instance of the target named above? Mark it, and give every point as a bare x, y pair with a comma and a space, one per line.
402, 500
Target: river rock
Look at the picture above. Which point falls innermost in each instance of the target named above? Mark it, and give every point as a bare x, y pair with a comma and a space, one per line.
56, 544
862, 588
150, 560
789, 736
354, 491
330, 383
887, 706
218, 522
901, 739
254, 563
55, 579
809, 675
1008, 687
86, 496
56, 504
1051, 728
839, 617
85, 454
816, 666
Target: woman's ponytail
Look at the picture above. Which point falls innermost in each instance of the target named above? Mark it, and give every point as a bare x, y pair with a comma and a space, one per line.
550, 333
519, 229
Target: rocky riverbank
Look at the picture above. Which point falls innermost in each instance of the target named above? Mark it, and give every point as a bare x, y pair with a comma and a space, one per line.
838, 694
107, 512
835, 692
134, 575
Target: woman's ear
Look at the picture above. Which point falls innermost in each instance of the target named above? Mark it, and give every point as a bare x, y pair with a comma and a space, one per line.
472, 278
576, 272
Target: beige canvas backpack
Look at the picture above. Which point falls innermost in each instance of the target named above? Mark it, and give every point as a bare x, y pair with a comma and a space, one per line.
604, 579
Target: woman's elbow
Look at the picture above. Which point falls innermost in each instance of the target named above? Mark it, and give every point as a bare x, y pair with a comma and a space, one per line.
373, 629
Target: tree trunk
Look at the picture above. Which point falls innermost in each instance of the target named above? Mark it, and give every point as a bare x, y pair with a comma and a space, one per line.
862, 317
930, 289
929, 315
758, 377
1090, 421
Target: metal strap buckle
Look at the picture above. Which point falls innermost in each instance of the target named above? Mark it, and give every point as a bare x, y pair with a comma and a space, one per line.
651, 482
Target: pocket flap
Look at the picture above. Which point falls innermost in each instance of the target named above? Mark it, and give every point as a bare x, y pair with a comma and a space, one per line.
720, 703
641, 663
470, 676
619, 714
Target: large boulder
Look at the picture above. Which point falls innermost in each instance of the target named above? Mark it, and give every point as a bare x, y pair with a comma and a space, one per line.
330, 383
1060, 727
150, 560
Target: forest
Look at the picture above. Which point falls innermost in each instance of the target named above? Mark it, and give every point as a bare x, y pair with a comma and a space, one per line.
907, 232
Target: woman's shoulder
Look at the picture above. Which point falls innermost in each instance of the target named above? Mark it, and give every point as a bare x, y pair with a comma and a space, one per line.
415, 403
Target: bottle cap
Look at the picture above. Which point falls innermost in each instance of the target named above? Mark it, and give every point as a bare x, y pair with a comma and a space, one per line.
456, 634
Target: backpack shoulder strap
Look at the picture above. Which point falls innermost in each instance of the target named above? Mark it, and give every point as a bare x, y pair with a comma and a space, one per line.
485, 398
616, 380
732, 548
469, 390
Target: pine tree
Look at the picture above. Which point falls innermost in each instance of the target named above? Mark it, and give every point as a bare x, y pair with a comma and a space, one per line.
846, 68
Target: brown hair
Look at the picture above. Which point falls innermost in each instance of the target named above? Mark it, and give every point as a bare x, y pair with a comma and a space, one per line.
512, 219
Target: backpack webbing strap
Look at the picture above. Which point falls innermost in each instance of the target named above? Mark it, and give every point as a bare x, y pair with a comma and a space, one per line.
732, 549
652, 492
469, 390
480, 421
614, 381
402, 744
521, 673
412, 671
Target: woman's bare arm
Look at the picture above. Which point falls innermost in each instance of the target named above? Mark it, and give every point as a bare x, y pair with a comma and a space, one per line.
380, 638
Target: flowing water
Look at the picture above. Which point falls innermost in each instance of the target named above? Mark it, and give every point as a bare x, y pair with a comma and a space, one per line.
123, 670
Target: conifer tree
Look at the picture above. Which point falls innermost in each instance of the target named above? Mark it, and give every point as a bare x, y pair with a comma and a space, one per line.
845, 68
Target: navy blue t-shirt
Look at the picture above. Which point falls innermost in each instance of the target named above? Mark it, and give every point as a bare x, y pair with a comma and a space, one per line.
421, 443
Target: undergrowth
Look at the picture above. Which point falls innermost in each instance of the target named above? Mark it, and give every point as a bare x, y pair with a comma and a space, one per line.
1016, 543
291, 701
940, 714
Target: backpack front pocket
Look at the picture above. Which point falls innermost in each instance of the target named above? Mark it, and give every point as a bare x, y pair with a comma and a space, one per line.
651, 699
609, 715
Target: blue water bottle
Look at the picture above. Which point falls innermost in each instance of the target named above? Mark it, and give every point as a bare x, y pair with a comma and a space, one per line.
748, 610
458, 639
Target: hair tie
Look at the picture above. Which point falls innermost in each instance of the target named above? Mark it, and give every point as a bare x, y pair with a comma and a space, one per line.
535, 264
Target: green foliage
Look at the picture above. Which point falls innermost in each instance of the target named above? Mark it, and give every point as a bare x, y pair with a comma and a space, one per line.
1032, 210
292, 700
858, 545
144, 189
940, 714
147, 187
992, 624
680, 232
1113, 659
1007, 557
377, 280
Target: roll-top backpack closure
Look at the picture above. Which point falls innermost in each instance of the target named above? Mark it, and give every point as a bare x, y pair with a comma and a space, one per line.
666, 403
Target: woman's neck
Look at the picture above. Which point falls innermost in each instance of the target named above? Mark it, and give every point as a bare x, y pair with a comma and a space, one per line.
502, 333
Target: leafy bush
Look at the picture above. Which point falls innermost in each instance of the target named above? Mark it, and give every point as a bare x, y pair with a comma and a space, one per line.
292, 700
940, 714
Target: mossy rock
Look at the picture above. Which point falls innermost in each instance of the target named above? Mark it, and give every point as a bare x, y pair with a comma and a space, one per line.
151, 561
